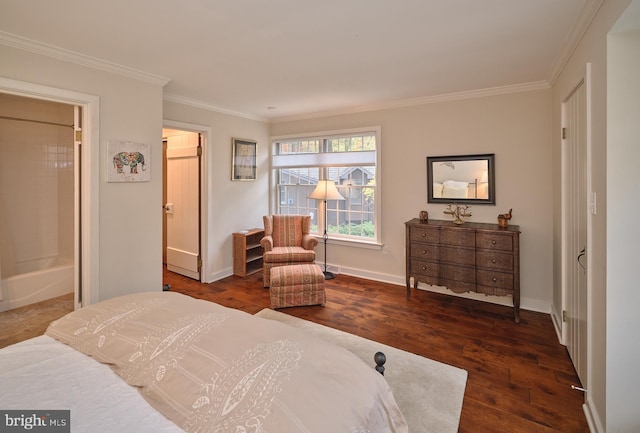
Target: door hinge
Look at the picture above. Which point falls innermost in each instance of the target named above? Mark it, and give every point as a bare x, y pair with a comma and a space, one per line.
199, 264
564, 315
199, 150
78, 135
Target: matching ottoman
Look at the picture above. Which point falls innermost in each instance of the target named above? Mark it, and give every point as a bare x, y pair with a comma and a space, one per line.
296, 285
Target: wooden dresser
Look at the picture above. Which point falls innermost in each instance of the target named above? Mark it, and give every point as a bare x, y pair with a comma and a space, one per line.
472, 257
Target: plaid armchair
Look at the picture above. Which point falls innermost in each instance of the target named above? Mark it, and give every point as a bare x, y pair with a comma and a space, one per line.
286, 241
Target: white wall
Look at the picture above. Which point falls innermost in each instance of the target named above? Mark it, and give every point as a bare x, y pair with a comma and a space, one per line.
129, 235
623, 273
233, 206
516, 127
602, 396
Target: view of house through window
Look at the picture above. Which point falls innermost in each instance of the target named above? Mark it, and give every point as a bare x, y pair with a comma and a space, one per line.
346, 158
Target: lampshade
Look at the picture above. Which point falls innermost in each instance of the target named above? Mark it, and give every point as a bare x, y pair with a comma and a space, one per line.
326, 190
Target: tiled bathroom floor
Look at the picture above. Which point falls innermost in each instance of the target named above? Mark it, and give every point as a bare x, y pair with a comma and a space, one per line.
32, 320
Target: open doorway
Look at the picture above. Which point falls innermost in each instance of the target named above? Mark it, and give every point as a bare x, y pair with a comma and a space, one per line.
37, 216
184, 200
85, 121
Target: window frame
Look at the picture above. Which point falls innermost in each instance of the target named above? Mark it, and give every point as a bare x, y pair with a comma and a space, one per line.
336, 238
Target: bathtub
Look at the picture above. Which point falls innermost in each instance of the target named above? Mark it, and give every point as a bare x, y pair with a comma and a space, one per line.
35, 282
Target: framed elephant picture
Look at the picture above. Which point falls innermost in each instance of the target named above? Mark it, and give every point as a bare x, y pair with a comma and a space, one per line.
128, 161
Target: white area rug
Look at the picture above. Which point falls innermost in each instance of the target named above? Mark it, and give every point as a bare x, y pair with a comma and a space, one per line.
428, 392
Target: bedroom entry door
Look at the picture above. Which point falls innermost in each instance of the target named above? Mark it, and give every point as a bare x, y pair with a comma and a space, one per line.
181, 249
575, 208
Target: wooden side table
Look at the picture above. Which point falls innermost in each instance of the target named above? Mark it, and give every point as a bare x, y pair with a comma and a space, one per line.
247, 252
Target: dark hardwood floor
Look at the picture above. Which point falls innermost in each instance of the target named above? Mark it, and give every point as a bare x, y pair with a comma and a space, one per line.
520, 377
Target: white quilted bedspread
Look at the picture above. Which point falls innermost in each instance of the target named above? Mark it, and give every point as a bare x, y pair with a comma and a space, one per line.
44, 374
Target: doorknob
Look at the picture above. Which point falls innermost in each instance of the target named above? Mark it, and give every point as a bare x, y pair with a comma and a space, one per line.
582, 253
168, 208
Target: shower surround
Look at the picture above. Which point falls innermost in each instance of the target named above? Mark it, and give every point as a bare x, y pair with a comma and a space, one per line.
36, 200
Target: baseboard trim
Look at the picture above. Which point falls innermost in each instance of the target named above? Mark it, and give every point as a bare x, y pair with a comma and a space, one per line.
215, 276
557, 324
593, 421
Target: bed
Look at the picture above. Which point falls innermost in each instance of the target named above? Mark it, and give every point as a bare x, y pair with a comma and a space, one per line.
165, 362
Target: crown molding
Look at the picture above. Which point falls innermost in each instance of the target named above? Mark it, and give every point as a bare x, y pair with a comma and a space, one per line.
209, 107
580, 27
457, 96
19, 42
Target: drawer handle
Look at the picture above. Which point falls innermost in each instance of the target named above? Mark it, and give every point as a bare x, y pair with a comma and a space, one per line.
493, 261
424, 235
424, 251
494, 279
424, 268
493, 241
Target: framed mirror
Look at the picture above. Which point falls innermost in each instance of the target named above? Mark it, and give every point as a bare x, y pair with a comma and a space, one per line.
468, 179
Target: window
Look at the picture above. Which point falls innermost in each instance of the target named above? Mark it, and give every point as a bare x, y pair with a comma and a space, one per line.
350, 160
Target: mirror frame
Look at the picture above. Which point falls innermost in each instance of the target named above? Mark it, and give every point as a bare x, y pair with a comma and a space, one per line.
491, 178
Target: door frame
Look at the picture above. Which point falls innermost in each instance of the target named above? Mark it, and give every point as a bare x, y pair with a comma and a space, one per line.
205, 177
87, 198
586, 81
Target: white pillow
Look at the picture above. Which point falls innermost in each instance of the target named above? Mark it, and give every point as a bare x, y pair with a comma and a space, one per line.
455, 183
454, 191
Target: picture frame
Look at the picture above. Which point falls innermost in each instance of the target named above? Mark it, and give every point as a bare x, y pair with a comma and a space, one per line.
244, 159
466, 179
128, 161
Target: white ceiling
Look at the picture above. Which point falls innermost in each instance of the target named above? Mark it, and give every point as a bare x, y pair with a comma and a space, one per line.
304, 57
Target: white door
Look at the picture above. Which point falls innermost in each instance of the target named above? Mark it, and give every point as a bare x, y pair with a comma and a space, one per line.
575, 208
182, 207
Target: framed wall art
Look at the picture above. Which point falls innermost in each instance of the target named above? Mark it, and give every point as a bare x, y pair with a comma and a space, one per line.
243, 162
468, 179
128, 161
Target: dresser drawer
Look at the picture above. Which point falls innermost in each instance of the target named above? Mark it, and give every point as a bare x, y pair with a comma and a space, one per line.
425, 251
461, 256
457, 273
423, 267
425, 234
494, 260
494, 241
457, 237
501, 280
